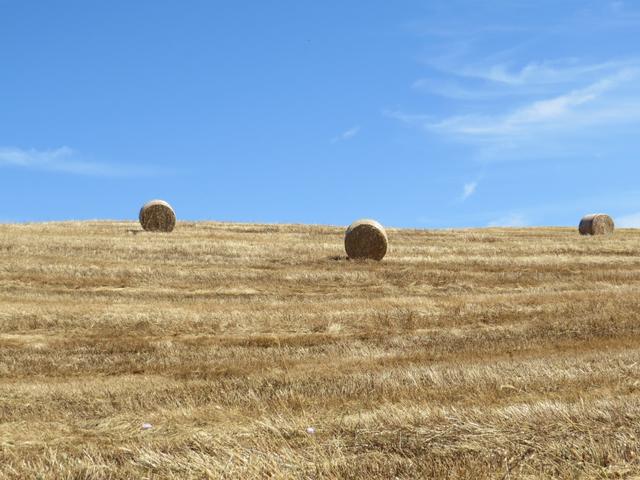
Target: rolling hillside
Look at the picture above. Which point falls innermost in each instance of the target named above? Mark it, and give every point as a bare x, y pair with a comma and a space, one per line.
260, 351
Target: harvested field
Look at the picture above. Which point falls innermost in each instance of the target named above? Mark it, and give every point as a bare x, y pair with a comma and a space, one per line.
499, 353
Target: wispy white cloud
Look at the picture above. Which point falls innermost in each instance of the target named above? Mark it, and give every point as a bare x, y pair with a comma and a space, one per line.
510, 220
65, 160
542, 73
521, 100
488, 80
555, 126
409, 118
455, 89
468, 190
347, 135
549, 112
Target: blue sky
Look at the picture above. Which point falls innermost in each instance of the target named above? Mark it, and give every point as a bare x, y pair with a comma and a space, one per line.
425, 114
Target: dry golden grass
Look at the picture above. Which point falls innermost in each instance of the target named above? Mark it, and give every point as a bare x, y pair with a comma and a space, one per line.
463, 354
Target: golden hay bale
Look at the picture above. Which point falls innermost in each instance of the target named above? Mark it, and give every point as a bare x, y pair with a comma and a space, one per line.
157, 216
596, 224
366, 239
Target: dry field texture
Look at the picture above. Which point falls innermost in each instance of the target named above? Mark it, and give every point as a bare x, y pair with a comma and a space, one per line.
498, 353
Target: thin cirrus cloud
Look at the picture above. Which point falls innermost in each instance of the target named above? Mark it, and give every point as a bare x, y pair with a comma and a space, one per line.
346, 135
560, 71
548, 112
65, 160
468, 190
548, 125
457, 90
520, 95
491, 81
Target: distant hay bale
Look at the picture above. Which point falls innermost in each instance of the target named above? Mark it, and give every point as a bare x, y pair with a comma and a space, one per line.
366, 239
157, 216
596, 224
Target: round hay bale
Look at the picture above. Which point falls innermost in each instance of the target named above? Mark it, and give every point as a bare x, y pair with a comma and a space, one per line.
596, 224
157, 216
366, 239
